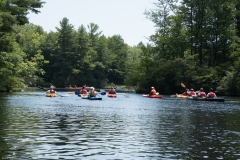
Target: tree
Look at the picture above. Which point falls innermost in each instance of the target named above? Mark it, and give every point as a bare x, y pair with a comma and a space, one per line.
64, 57
15, 12
118, 57
14, 66
30, 38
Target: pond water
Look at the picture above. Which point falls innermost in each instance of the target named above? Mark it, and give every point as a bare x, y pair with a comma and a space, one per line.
33, 126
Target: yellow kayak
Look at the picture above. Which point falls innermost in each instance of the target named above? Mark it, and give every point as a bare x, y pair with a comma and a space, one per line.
51, 94
181, 96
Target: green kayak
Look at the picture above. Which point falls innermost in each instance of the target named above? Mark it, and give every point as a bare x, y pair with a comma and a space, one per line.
219, 99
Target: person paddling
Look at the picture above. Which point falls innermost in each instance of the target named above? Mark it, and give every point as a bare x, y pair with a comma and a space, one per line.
112, 91
211, 94
83, 90
185, 93
153, 91
201, 94
52, 91
92, 92
192, 93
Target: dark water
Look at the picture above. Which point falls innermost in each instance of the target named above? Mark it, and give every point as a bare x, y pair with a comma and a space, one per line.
130, 126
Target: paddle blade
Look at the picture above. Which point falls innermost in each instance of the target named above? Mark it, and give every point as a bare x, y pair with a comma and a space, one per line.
183, 85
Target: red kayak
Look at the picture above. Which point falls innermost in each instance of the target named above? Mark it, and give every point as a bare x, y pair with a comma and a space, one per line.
152, 96
112, 95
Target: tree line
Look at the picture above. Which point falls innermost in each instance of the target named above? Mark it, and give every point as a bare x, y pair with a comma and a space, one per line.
196, 42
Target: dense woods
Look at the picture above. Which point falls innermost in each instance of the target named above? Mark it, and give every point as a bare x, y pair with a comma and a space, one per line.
196, 42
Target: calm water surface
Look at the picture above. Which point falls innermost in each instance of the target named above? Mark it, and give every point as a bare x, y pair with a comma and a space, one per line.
130, 126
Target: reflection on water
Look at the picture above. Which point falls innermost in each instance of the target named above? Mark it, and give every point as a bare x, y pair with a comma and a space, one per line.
130, 126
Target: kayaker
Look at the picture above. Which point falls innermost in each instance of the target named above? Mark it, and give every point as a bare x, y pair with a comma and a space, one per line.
192, 93
186, 92
201, 94
52, 91
92, 92
153, 91
112, 91
211, 94
83, 90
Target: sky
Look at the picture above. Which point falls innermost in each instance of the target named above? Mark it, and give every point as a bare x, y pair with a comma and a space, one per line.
114, 17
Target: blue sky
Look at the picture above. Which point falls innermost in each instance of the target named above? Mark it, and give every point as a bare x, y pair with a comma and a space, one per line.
121, 17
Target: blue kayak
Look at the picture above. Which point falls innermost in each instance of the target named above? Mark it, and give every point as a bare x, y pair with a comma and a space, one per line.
95, 98
92, 98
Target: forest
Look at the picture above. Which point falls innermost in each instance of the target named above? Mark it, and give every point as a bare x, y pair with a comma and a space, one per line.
197, 42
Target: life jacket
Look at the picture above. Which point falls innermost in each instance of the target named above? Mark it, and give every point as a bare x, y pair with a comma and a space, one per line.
111, 92
211, 94
153, 92
83, 91
202, 94
52, 91
192, 93
184, 94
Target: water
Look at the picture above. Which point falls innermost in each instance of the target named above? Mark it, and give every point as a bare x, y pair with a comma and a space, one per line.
130, 126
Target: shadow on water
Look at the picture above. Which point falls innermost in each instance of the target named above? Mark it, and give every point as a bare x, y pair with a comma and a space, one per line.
127, 127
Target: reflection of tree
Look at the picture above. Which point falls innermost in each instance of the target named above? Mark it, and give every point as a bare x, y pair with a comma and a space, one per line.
3, 125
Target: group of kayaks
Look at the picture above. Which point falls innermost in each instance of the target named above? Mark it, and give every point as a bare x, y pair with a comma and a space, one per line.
84, 96
219, 99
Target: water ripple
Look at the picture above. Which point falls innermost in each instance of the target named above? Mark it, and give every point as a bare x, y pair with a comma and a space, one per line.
33, 126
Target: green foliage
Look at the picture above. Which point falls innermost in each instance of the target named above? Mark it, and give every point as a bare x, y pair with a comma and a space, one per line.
227, 84
196, 42
118, 57
193, 45
15, 65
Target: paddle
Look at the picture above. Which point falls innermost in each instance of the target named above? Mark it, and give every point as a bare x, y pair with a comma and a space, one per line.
98, 96
183, 85
175, 95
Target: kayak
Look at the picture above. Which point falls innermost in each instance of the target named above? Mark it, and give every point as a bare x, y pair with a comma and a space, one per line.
95, 98
64, 95
91, 98
219, 99
83, 95
152, 96
181, 96
51, 94
112, 95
